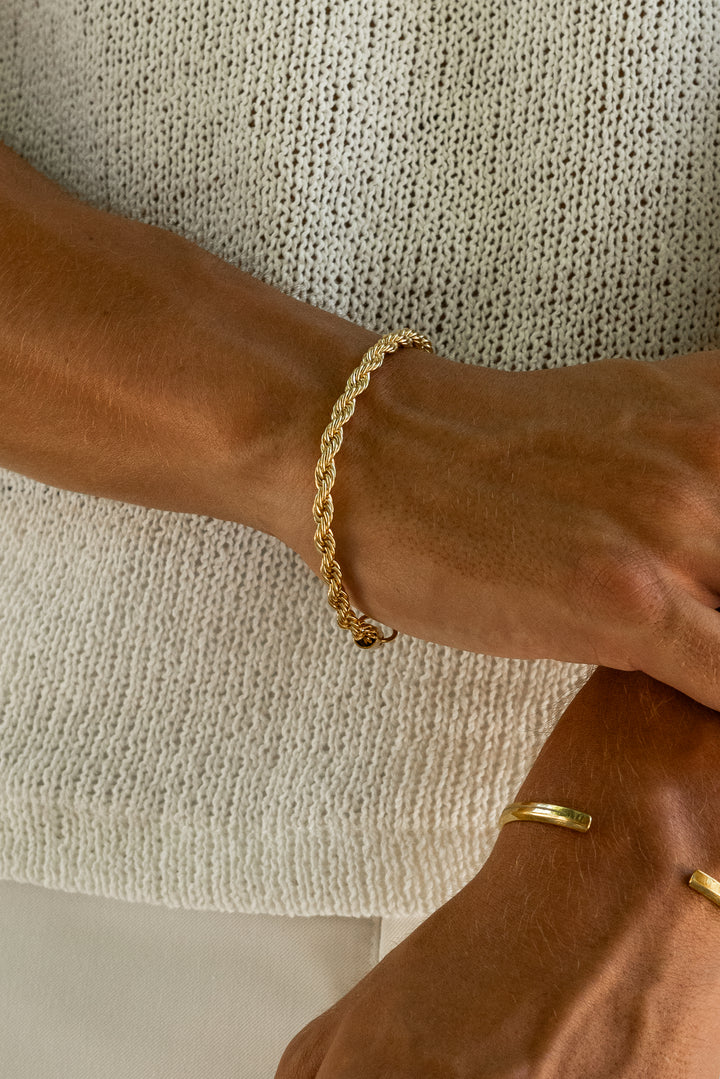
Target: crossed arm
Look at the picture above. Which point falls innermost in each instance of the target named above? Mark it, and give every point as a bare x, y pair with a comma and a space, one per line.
571, 514
584, 956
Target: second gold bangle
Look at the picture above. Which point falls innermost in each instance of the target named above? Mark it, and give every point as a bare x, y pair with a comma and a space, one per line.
706, 885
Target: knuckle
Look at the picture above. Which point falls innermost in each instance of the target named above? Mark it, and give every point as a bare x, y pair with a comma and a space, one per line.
297, 1059
624, 586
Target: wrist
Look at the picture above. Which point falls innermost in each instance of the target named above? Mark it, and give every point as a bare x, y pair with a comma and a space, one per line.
370, 450
644, 760
603, 925
647, 758
585, 949
407, 476
306, 356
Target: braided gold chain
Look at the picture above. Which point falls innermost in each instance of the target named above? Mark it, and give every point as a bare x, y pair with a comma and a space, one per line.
364, 633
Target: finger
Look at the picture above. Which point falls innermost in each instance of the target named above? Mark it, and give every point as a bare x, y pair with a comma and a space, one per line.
305, 1053
684, 651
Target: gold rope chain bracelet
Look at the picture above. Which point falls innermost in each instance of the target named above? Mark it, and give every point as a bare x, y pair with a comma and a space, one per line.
365, 634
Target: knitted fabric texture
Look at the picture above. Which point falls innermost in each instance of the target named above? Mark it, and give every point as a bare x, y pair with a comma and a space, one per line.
530, 184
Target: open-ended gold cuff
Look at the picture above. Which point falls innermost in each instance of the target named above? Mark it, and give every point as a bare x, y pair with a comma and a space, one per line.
548, 814
705, 885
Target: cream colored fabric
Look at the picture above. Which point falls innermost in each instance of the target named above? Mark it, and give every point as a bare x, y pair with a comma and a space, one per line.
103, 989
531, 184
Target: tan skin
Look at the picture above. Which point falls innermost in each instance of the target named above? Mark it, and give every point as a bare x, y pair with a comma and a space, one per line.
568, 956
571, 513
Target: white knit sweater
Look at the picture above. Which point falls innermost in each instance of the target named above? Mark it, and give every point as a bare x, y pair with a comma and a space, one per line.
530, 183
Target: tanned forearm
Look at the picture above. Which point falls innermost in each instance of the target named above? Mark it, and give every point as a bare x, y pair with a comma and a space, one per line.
622, 957
136, 366
569, 956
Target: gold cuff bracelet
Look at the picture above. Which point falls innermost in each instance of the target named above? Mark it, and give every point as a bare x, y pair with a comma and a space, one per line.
705, 885
548, 814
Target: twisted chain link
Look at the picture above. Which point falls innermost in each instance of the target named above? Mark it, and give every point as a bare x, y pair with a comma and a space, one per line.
364, 633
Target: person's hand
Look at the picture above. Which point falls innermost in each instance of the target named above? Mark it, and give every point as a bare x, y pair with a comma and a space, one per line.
476, 992
569, 514
569, 956
531, 974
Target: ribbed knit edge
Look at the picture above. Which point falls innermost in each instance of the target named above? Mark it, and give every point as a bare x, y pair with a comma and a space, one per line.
179, 863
